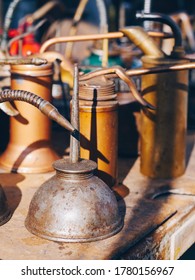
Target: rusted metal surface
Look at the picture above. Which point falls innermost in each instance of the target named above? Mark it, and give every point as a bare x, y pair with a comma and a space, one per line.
75, 143
74, 206
20, 244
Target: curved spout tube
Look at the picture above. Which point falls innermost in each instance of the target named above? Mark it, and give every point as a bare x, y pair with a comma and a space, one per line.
79, 38
140, 71
120, 72
141, 39
44, 106
166, 20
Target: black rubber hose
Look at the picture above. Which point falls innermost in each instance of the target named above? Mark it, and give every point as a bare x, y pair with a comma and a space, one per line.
166, 20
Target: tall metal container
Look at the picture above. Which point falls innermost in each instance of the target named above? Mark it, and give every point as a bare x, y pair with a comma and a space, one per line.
163, 131
98, 112
29, 148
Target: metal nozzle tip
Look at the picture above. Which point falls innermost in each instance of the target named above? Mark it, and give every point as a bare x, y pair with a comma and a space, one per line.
76, 134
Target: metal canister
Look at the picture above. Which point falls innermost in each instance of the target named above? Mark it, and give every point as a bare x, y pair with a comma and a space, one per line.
98, 112
163, 131
29, 148
74, 205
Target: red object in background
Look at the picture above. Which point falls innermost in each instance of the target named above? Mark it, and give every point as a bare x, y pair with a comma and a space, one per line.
28, 43
14, 46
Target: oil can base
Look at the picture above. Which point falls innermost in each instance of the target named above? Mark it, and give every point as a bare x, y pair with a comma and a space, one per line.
35, 158
74, 206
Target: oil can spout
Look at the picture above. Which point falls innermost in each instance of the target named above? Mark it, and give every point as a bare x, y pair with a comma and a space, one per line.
44, 106
142, 40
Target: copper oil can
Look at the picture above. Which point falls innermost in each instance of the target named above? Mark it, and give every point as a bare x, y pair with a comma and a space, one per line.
29, 148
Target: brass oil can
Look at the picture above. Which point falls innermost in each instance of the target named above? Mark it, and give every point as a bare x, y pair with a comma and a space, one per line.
98, 111
163, 131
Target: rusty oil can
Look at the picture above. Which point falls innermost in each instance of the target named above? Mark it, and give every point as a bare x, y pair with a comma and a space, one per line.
74, 205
